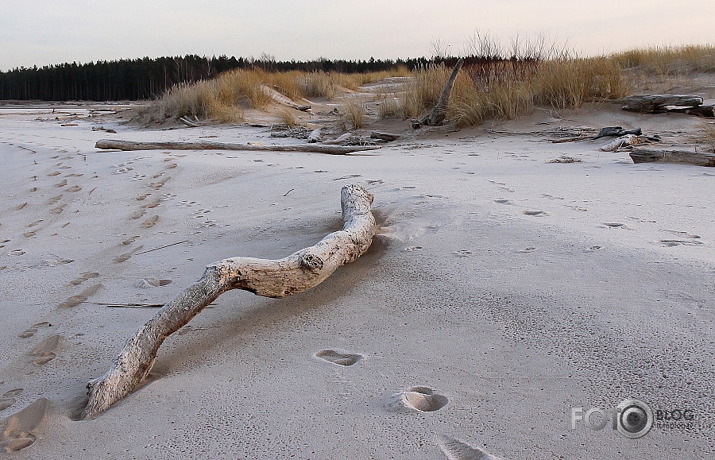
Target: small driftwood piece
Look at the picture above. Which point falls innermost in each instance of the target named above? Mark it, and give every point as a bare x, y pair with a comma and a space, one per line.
438, 114
281, 99
296, 273
314, 136
658, 103
616, 131
388, 137
190, 123
673, 156
314, 148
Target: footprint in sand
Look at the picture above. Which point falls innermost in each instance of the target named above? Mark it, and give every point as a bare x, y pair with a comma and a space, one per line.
421, 399
159, 184
130, 240
54, 200
127, 255
535, 213
150, 222
7, 399
54, 173
454, 449
152, 204
593, 248
83, 277
142, 196
45, 350
673, 243
16, 432
171, 166
20, 206
61, 183
33, 330
151, 283
58, 209
74, 188
81, 297
137, 214
337, 357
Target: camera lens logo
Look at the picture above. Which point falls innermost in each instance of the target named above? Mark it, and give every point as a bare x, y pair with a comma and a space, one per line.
635, 418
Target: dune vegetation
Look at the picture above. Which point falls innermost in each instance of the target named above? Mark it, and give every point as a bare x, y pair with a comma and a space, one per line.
491, 85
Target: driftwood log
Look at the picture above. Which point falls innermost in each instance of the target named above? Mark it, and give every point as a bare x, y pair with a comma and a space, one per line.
296, 273
673, 156
281, 99
658, 103
438, 114
314, 148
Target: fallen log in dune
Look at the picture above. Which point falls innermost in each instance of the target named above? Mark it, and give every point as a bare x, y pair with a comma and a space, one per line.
658, 103
673, 156
280, 278
281, 99
311, 148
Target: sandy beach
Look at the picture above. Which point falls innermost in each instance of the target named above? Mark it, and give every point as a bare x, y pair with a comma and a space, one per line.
504, 289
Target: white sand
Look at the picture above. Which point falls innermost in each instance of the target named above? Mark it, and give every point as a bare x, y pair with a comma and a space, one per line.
510, 288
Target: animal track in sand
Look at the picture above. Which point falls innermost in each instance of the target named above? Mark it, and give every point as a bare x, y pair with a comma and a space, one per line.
54, 173
16, 432
419, 398
336, 357
142, 196
33, 330
61, 183
7, 400
150, 222
614, 225
83, 277
45, 350
74, 188
412, 248
527, 250
20, 206
593, 248
454, 449
503, 201
462, 253
81, 297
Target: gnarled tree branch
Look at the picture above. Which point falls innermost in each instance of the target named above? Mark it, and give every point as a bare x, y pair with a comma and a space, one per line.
296, 273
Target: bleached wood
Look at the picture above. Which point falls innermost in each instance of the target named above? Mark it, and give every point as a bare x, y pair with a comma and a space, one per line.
673, 156
314, 148
296, 273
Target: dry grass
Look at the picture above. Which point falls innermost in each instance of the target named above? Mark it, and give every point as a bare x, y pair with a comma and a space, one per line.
355, 114
669, 60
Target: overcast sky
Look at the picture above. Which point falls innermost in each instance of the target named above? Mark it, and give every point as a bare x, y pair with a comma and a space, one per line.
41, 32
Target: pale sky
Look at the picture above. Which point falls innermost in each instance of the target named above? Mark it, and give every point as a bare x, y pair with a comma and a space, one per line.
41, 32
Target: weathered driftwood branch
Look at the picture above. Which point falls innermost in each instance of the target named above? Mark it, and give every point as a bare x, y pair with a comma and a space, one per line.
673, 156
438, 114
314, 148
655, 103
296, 273
281, 99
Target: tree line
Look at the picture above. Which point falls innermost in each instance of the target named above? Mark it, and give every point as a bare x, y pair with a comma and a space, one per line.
146, 78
